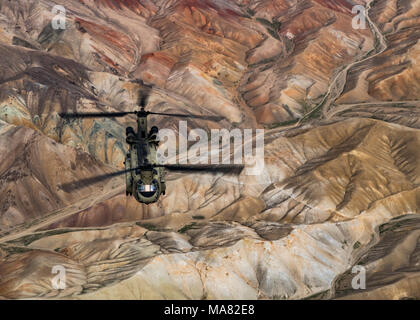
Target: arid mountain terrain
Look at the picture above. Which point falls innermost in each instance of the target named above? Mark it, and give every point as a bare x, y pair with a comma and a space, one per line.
340, 188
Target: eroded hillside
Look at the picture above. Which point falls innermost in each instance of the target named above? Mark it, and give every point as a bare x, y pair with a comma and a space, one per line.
340, 184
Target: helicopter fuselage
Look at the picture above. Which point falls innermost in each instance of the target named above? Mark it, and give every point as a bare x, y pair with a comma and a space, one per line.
147, 183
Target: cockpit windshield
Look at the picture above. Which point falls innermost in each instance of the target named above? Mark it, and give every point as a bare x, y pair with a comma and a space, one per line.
147, 190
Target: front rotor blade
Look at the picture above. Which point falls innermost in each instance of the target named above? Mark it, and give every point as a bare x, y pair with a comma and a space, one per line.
71, 186
191, 116
205, 168
71, 115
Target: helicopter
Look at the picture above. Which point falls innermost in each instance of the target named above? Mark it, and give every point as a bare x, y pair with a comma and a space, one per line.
144, 175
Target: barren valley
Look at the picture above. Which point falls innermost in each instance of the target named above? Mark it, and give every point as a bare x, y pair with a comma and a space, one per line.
341, 183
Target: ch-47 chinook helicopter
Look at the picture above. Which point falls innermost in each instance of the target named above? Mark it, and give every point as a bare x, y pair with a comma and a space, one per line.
145, 177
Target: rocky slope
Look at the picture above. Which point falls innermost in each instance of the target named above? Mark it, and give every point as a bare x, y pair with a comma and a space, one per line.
340, 186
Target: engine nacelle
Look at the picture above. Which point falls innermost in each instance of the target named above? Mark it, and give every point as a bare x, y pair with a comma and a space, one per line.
130, 135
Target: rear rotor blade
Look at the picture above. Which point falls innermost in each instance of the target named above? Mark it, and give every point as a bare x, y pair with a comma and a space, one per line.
145, 91
190, 116
204, 168
143, 100
72, 115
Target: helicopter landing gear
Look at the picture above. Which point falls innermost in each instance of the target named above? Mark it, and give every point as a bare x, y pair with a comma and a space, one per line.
163, 186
